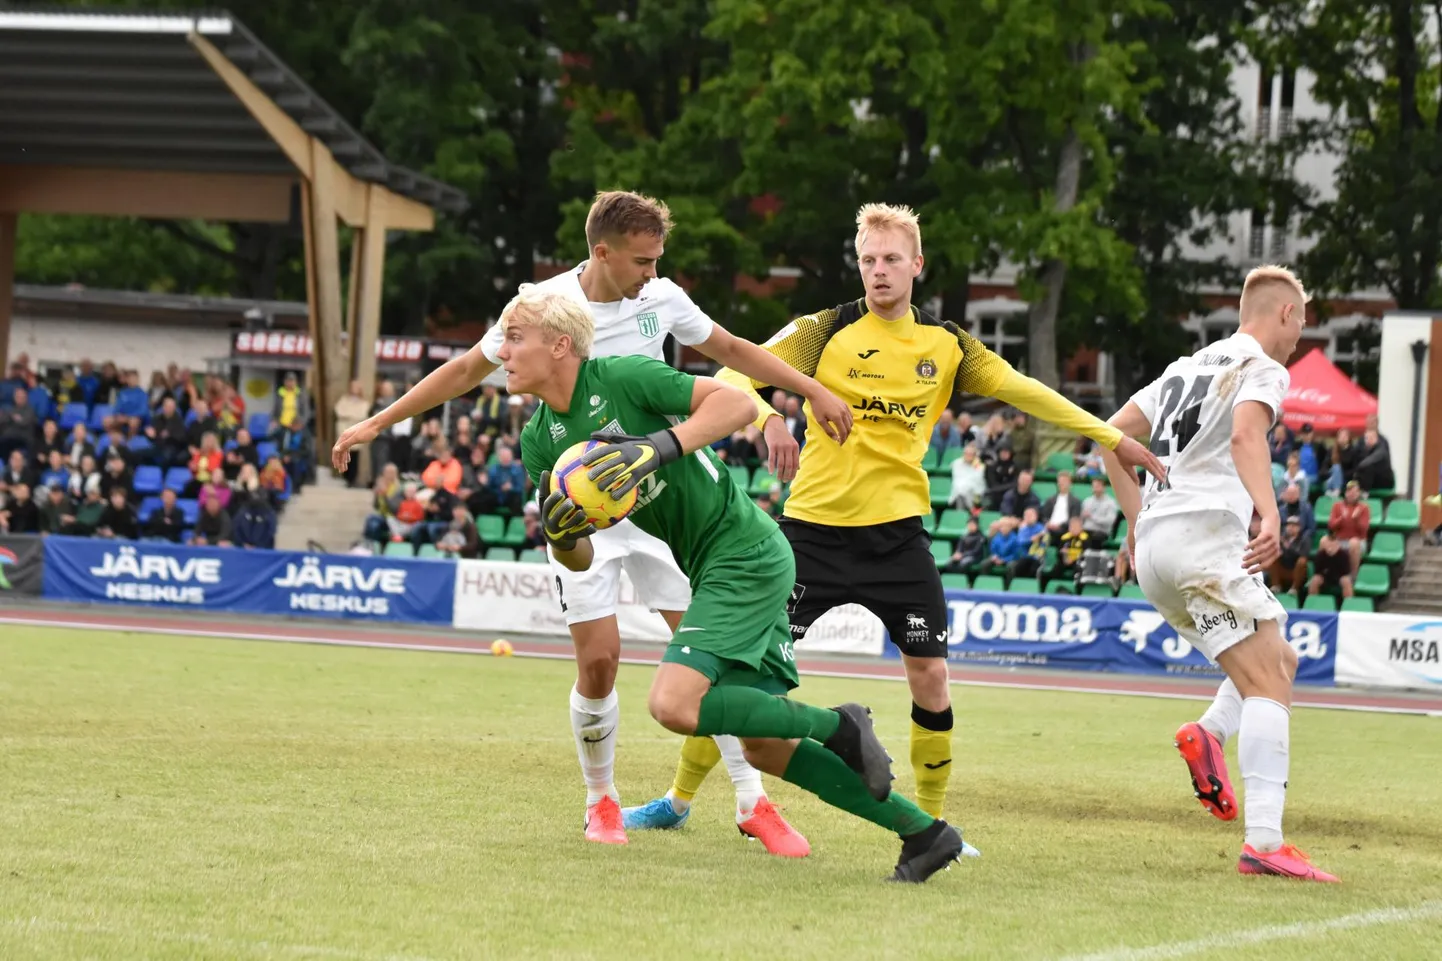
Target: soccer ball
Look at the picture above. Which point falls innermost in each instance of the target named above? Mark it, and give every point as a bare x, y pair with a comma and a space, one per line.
502, 648
600, 508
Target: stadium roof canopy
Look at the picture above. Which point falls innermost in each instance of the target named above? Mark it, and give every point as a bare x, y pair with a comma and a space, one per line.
188, 115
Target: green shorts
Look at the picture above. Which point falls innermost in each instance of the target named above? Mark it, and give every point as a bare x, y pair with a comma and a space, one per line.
736, 631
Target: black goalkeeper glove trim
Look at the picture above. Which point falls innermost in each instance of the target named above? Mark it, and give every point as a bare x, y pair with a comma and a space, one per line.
623, 460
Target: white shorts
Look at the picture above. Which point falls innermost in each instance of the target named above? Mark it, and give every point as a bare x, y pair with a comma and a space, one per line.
648, 562
1190, 568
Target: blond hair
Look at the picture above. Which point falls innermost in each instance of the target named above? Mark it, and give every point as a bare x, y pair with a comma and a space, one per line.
554, 314
617, 213
887, 217
1263, 283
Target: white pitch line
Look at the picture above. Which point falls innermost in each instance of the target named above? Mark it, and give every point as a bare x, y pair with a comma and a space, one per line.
265, 947
860, 675
1276, 932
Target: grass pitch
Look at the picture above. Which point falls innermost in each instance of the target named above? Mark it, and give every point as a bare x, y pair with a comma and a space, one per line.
184, 798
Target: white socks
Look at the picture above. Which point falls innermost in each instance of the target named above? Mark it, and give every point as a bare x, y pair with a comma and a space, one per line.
1263, 748
746, 778
1224, 716
594, 723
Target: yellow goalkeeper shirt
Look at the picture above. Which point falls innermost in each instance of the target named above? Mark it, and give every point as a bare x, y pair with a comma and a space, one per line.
897, 376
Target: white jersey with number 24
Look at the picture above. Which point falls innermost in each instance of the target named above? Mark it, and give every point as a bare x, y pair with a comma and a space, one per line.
1190, 409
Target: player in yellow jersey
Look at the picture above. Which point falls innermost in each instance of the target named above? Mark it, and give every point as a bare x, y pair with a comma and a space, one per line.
854, 517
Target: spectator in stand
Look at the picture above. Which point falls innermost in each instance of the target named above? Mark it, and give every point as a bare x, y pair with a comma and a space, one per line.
1294, 475
57, 514
1088, 457
18, 380
273, 478
1022, 437
1332, 570
440, 505
1292, 504
969, 551
795, 419
78, 446
88, 473
1071, 544
132, 400
50, 439
20, 515
770, 501
168, 522
1006, 545
87, 382
508, 480
18, 425
490, 412
218, 489
1280, 443
213, 527
229, 411
1001, 475
461, 539
968, 480
118, 519
965, 429
743, 447
117, 443
1020, 497
1311, 454
992, 438
945, 435
423, 445
1374, 460
204, 423
535, 536
410, 514
1034, 538
1061, 507
18, 471
381, 446
1289, 570
1350, 522
292, 404
205, 463
245, 447
255, 525
387, 494
241, 491
518, 410
350, 410
56, 473
1343, 463
1099, 511
159, 389
88, 512
444, 471
110, 383
167, 433
464, 442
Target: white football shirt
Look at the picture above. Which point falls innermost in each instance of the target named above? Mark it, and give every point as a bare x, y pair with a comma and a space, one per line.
1190, 409
627, 327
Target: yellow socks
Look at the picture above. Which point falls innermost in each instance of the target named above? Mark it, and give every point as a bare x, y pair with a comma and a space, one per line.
931, 757
698, 756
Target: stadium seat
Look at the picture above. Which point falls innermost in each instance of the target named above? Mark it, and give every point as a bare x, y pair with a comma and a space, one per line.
952, 524
98, 413
1320, 602
741, 474
533, 556
928, 523
515, 534
1373, 580
1388, 547
1056, 463
259, 426
1096, 590
1044, 490
191, 416
177, 478
1358, 605
1287, 600
988, 582
941, 551
74, 413
500, 554
1119, 536
491, 528
1375, 505
1323, 510
148, 480
102, 445
148, 506
429, 551
189, 510
950, 457
1024, 585
930, 461
1402, 516
985, 519
1132, 592
140, 444
761, 482
265, 450
400, 549
1384, 493
940, 491
956, 582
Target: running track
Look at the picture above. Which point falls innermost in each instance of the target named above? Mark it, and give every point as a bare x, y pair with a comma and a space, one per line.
350, 634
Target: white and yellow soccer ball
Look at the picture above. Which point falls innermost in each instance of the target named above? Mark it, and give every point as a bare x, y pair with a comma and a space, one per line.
569, 476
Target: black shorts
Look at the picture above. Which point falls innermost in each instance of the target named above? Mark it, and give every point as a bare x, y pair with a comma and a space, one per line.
886, 568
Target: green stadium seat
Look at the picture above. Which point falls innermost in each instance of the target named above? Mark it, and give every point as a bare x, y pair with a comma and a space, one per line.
1359, 605
949, 457
1402, 516
741, 474
930, 461
515, 534
400, 549
1061, 587
1096, 590
1375, 505
1384, 493
1320, 602
1024, 585
1373, 580
1287, 600
952, 524
533, 556
956, 581
1388, 547
928, 523
988, 582
500, 554
1059, 461
1119, 537
1132, 592
1044, 490
985, 519
941, 551
940, 491
1323, 510
761, 482
429, 550
491, 528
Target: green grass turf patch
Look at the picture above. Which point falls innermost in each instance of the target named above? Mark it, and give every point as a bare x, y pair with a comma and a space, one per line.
182, 798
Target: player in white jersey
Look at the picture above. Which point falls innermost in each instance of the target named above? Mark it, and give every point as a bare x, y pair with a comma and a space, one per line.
633, 311
1208, 417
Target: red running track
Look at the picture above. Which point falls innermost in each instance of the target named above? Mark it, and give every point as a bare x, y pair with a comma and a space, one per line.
349, 634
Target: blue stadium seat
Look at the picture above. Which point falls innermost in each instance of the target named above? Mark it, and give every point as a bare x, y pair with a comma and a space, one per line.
191, 416
102, 445
189, 509
177, 478
147, 507
259, 425
73, 414
98, 413
265, 450
139, 444
148, 480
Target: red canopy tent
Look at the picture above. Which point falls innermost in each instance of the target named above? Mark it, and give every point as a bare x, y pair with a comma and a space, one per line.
1326, 398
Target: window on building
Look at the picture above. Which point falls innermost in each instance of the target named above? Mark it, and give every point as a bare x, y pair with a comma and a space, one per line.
1264, 105
1284, 110
1004, 335
1257, 242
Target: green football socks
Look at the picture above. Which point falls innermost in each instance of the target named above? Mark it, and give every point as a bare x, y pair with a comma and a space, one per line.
747, 712
825, 775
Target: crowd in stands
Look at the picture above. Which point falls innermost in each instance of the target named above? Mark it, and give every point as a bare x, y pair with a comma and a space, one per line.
89, 452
